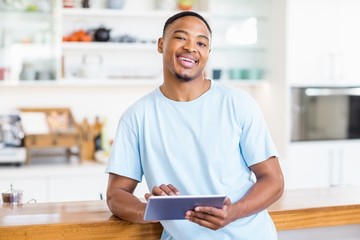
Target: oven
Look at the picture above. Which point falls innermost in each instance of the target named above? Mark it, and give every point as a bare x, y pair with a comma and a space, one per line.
319, 113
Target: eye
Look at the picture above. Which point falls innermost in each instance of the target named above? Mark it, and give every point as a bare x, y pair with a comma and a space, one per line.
202, 44
180, 37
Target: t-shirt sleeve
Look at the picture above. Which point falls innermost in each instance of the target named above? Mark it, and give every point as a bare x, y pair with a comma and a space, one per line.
256, 144
124, 158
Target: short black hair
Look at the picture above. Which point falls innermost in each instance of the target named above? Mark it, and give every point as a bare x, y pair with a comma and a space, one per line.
185, 14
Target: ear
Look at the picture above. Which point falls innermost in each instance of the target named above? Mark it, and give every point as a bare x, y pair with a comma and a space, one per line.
160, 45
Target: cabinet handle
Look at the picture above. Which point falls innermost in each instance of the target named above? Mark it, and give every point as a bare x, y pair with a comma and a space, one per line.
332, 91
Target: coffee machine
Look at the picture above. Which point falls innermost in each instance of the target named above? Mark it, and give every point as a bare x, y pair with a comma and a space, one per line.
12, 136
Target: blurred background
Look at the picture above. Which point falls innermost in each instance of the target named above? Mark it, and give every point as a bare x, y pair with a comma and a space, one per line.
69, 69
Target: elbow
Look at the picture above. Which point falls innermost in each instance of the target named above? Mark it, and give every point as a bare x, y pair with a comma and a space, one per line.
280, 186
110, 201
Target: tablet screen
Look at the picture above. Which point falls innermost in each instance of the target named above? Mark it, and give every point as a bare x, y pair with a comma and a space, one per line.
175, 207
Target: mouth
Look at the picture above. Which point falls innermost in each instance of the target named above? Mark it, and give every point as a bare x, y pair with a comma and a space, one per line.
187, 61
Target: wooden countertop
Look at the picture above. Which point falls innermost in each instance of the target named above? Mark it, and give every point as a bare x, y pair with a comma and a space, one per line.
92, 220
307, 208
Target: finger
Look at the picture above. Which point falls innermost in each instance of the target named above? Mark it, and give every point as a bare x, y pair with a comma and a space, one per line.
167, 189
202, 219
227, 201
209, 211
174, 189
147, 195
157, 191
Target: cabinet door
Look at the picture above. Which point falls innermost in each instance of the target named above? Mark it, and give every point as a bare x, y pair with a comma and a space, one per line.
351, 163
322, 41
311, 39
77, 188
307, 166
323, 164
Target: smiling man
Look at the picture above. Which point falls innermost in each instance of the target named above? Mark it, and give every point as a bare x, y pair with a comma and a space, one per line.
195, 136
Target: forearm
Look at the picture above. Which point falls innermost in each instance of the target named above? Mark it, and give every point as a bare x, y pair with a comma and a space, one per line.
261, 195
126, 206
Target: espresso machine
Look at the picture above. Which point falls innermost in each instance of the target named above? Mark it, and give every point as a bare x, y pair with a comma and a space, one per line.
12, 136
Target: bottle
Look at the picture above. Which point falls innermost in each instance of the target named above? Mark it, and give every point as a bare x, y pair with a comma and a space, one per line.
104, 144
85, 3
97, 134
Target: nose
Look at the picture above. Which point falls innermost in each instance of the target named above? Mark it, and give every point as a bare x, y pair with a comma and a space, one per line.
190, 45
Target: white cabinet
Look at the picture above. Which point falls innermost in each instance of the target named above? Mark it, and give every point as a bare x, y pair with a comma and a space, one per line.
60, 183
307, 166
57, 183
323, 42
322, 51
322, 164
77, 188
351, 162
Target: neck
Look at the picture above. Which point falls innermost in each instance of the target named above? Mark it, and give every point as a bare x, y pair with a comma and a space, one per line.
185, 91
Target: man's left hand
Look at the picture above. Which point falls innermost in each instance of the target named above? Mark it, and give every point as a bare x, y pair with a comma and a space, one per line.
211, 217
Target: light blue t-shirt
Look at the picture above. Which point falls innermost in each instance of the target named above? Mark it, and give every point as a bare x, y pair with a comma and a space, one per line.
204, 146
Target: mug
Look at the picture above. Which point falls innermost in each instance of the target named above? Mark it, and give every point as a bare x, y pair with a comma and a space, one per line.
216, 74
234, 73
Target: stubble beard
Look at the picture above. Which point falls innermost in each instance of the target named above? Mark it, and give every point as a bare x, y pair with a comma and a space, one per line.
183, 78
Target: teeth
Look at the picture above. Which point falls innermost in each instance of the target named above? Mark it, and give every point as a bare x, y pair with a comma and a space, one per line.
187, 59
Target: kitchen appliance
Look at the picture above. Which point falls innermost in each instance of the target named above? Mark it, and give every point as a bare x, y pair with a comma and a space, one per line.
11, 132
319, 113
12, 136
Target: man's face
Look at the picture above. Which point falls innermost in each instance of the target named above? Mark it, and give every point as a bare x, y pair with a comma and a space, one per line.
185, 47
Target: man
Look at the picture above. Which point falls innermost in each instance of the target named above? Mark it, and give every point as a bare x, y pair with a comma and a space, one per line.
196, 136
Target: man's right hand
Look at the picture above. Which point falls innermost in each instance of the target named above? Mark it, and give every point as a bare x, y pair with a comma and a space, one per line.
163, 190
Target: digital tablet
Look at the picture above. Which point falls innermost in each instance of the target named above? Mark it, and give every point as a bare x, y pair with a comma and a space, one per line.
175, 207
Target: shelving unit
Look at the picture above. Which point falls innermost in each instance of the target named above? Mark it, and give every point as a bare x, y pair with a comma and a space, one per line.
97, 46
29, 44
224, 55
119, 13
145, 25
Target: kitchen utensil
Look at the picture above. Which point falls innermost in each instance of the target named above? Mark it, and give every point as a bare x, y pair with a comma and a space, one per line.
115, 4
44, 75
28, 72
92, 66
12, 196
102, 34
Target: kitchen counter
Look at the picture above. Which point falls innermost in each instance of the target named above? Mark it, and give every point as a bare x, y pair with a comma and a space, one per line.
318, 207
297, 209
